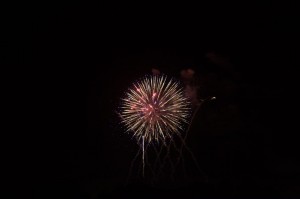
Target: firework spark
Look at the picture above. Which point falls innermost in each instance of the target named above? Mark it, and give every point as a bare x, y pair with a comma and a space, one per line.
154, 109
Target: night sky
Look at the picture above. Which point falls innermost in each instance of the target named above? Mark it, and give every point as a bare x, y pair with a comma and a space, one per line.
73, 62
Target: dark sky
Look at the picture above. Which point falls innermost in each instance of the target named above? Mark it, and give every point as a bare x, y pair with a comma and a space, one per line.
73, 62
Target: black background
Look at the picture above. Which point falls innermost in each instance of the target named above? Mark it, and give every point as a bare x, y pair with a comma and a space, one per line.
71, 63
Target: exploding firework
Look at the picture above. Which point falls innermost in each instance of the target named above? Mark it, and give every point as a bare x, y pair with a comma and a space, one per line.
154, 109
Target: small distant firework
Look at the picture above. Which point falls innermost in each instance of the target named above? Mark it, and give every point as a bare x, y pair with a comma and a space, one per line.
154, 109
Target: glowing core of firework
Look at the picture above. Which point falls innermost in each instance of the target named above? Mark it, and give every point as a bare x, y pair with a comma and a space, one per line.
155, 108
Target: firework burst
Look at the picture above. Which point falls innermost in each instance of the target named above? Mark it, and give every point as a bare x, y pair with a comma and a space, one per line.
154, 109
